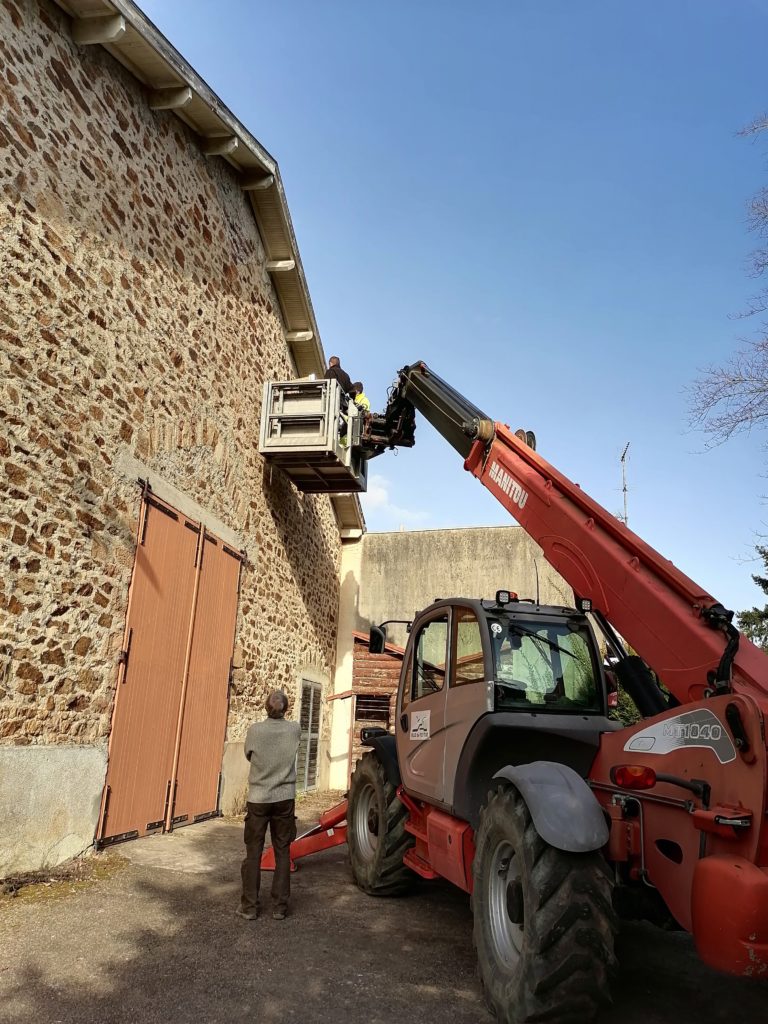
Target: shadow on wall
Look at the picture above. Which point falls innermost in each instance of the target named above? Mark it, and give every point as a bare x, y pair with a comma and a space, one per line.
296, 524
349, 600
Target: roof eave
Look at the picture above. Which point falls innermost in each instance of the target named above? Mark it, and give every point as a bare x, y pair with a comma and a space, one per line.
172, 84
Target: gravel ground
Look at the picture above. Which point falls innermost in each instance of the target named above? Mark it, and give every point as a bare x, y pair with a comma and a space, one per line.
155, 939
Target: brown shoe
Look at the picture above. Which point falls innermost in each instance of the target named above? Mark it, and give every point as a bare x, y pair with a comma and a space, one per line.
247, 915
278, 915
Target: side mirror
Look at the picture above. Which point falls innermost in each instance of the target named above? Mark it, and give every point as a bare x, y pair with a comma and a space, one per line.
371, 733
377, 639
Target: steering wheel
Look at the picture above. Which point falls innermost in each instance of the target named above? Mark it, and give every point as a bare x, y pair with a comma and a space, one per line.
512, 684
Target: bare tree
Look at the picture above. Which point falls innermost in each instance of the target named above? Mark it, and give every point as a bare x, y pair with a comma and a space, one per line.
733, 397
728, 399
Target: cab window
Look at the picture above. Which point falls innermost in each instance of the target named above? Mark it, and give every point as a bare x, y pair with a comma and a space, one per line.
468, 645
545, 665
407, 681
430, 650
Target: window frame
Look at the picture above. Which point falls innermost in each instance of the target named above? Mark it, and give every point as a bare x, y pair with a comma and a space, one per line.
545, 707
439, 615
404, 695
457, 611
316, 689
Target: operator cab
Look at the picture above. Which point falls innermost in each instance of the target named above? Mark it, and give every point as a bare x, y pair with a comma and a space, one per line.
543, 658
489, 683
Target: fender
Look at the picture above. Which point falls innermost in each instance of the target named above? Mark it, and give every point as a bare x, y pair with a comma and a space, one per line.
563, 807
384, 746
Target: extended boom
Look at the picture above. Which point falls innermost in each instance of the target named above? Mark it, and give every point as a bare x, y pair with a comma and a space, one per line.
679, 629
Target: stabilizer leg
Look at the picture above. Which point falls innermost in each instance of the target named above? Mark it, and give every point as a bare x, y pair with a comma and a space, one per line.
327, 833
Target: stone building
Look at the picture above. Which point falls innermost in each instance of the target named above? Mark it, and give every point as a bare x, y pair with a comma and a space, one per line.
151, 284
157, 576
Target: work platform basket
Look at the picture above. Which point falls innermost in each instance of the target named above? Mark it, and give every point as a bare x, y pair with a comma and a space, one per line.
307, 433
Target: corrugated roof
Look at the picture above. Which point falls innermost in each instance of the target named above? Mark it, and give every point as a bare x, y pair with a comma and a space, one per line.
125, 31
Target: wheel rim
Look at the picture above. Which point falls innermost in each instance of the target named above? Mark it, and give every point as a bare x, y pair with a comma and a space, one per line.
365, 822
504, 893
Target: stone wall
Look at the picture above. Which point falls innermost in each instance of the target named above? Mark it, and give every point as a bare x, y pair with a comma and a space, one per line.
137, 323
49, 803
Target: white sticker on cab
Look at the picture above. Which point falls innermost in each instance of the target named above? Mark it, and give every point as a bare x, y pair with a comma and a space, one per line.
420, 725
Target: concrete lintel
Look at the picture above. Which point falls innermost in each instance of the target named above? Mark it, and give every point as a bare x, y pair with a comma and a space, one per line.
219, 145
299, 335
170, 99
257, 183
102, 29
276, 266
132, 469
350, 533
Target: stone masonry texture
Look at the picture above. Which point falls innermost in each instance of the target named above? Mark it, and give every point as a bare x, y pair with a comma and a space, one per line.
136, 316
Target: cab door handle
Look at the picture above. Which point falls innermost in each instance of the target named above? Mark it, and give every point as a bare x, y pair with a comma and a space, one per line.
404, 722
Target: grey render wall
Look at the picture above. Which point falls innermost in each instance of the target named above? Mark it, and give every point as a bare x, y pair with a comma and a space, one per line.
400, 573
49, 803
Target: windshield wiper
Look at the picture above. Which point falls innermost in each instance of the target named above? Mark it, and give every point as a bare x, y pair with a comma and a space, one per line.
550, 643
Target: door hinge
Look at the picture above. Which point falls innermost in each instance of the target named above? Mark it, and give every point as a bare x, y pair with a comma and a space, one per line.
121, 838
105, 815
145, 490
167, 800
122, 658
200, 547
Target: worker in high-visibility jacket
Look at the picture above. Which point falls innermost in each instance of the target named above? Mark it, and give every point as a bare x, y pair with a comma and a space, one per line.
362, 404
359, 397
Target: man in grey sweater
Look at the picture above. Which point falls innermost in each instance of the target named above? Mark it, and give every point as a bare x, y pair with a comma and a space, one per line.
271, 748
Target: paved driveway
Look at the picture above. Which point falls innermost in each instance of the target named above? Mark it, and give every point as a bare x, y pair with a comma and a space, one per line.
158, 942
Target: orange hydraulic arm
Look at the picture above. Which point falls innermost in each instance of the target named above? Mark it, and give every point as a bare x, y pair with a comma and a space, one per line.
678, 629
695, 828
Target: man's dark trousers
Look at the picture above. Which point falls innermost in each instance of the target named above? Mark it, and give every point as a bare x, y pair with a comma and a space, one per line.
282, 829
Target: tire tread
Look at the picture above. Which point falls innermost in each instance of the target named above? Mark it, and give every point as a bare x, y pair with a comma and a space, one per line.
568, 960
387, 875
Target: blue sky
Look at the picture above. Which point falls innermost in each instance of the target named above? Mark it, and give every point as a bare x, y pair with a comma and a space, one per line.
545, 201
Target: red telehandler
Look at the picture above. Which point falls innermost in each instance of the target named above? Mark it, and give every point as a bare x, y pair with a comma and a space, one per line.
506, 776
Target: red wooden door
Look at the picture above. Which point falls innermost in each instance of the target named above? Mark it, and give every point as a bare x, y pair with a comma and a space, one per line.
170, 713
204, 718
149, 688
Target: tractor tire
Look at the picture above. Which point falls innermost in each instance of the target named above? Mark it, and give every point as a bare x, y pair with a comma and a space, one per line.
544, 924
376, 833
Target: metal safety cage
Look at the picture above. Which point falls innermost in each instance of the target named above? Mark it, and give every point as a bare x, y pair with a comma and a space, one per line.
307, 431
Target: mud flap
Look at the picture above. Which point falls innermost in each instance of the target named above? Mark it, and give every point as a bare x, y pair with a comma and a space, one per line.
563, 807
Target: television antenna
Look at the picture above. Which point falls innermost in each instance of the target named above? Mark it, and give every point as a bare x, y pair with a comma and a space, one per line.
623, 461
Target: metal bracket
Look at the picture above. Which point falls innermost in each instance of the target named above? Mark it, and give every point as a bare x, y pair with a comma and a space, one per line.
124, 655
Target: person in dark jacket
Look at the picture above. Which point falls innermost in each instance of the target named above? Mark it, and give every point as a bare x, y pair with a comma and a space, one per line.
335, 372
